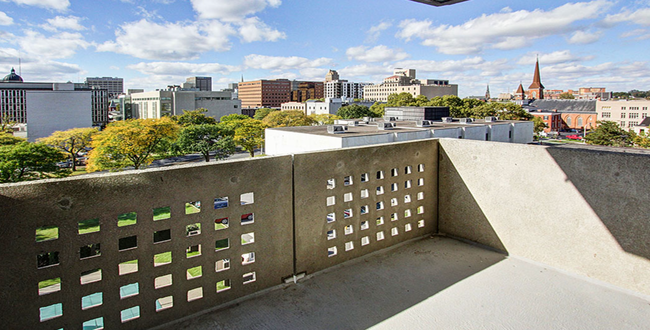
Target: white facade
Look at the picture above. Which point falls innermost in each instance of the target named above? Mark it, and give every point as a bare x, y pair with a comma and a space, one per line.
344, 89
172, 102
330, 106
299, 106
627, 114
290, 140
50, 111
403, 81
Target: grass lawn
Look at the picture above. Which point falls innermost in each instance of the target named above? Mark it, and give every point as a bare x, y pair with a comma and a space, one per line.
194, 272
80, 170
130, 262
191, 208
47, 233
223, 285
162, 258
127, 219
88, 226
162, 213
50, 282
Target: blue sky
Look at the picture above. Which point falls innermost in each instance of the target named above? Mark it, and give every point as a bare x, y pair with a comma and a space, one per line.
155, 43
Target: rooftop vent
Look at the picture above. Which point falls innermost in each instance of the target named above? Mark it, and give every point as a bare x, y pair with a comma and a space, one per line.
447, 119
392, 118
423, 123
466, 120
353, 123
490, 119
336, 129
386, 126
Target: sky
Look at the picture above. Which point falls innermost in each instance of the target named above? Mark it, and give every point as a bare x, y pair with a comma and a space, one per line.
155, 43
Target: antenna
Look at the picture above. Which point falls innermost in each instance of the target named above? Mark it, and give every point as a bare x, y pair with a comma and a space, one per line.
20, 66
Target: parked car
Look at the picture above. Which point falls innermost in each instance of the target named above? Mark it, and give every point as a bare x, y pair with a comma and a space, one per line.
65, 164
574, 137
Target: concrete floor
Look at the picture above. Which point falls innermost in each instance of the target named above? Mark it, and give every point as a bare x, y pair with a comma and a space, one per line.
435, 283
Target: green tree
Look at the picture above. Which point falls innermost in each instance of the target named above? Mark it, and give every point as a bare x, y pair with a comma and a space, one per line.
261, 113
233, 117
378, 109
194, 117
540, 125
353, 111
642, 140
6, 125
8, 139
287, 119
566, 96
207, 138
324, 119
130, 143
71, 142
249, 134
608, 133
29, 161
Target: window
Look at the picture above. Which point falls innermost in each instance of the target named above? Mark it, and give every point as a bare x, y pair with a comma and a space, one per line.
623, 114
568, 121
607, 115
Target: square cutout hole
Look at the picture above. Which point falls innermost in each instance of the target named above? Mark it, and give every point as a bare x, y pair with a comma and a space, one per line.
249, 277
331, 183
193, 207
127, 243
223, 285
220, 203
380, 235
90, 251
50, 312
421, 224
331, 200
47, 259
127, 219
162, 281
380, 190
129, 290
49, 286
331, 251
331, 234
164, 303
364, 193
162, 236
88, 226
92, 300
195, 294
364, 177
248, 258
380, 221
349, 246
47, 233
347, 197
248, 238
247, 198
193, 229
194, 272
221, 265
222, 244
347, 181
90, 276
128, 267
221, 223
162, 213
331, 217
162, 259
247, 219
193, 251
365, 241
347, 213
130, 314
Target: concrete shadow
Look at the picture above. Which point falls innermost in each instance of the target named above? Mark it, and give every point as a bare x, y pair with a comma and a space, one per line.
617, 187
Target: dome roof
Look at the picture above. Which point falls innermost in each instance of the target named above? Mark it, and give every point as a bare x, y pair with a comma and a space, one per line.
12, 77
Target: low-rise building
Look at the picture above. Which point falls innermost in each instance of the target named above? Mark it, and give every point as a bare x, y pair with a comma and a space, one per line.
415, 113
627, 114
403, 81
574, 114
173, 101
299, 106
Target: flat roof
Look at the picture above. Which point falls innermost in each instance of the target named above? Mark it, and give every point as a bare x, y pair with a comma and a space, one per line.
433, 283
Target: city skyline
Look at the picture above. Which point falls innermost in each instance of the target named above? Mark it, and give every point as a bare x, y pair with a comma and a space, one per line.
152, 44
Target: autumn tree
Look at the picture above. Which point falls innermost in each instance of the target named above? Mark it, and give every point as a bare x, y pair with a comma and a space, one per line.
205, 139
130, 143
566, 96
71, 142
8, 139
287, 119
194, 117
29, 161
233, 117
261, 113
249, 134
642, 140
324, 119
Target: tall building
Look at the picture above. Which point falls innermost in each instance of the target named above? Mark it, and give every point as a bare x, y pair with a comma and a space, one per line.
264, 93
114, 86
536, 89
331, 75
200, 83
403, 81
173, 101
307, 90
49, 107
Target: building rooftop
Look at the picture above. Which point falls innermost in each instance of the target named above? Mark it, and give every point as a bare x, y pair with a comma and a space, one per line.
563, 105
449, 285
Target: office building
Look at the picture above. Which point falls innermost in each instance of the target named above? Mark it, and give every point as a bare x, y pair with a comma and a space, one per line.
201, 83
171, 102
306, 90
264, 93
404, 81
114, 86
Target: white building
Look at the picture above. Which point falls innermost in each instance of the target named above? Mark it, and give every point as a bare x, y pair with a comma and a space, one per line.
353, 133
627, 114
330, 106
42, 108
172, 102
344, 89
299, 106
403, 81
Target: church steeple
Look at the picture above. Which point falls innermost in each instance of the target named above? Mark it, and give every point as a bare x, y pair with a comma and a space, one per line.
487, 93
536, 89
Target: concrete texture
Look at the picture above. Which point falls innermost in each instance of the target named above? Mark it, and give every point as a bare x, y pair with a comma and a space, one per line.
584, 211
434, 283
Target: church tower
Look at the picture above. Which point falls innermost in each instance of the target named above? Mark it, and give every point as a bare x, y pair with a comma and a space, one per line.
536, 89
487, 93
520, 94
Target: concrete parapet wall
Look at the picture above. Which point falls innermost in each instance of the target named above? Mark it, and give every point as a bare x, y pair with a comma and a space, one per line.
581, 210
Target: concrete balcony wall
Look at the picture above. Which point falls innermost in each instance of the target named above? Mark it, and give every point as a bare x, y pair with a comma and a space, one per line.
580, 210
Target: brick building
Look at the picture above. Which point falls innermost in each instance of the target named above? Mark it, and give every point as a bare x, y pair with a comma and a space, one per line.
264, 93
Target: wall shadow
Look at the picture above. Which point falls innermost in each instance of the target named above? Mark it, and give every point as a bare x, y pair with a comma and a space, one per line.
457, 202
617, 187
357, 294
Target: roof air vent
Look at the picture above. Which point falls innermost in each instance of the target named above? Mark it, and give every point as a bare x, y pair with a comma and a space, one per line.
490, 119
447, 119
386, 126
336, 129
423, 123
466, 120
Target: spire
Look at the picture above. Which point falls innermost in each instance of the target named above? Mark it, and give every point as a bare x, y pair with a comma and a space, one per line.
242, 78
487, 93
537, 80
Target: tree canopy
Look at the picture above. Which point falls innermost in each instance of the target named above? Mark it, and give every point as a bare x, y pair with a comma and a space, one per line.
324, 119
354, 111
207, 138
71, 142
129, 143
566, 96
642, 140
540, 125
233, 117
8, 139
608, 133
261, 113
194, 117
287, 119
249, 134
29, 161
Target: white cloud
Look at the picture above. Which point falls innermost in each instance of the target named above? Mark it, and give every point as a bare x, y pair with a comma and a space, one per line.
378, 53
557, 57
473, 63
169, 41
500, 29
63, 23
375, 31
182, 69
253, 29
59, 5
582, 37
640, 34
60, 45
229, 9
279, 63
377, 72
37, 68
313, 74
5, 20
639, 16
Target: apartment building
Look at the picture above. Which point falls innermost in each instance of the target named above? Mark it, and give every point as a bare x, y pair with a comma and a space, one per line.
627, 114
264, 93
114, 85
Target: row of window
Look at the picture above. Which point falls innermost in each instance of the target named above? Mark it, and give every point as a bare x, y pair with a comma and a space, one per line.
365, 240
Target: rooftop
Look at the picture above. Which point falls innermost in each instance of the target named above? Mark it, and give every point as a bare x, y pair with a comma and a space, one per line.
449, 285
